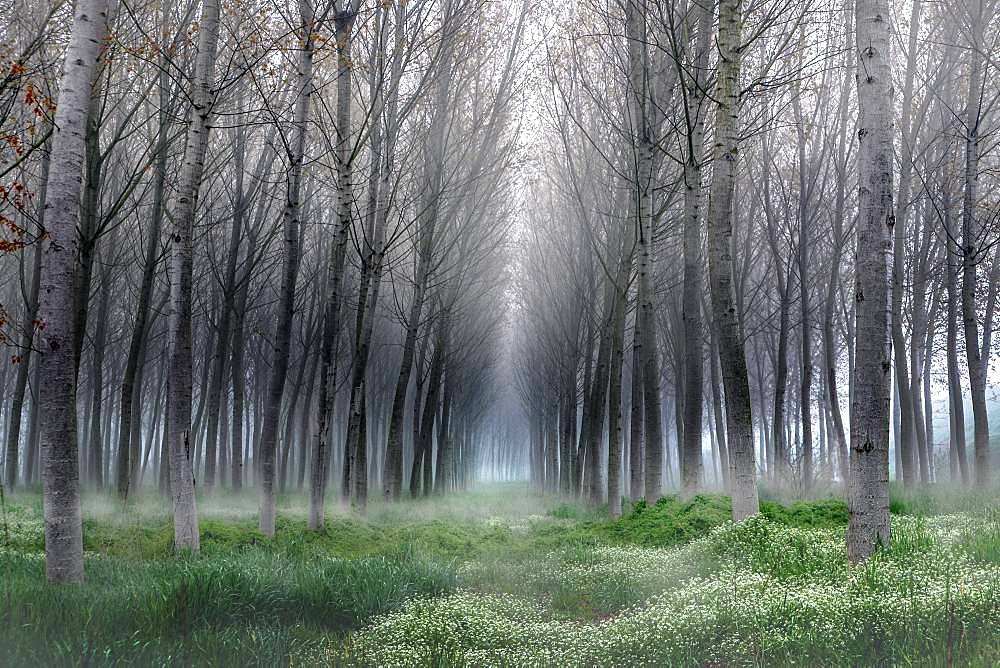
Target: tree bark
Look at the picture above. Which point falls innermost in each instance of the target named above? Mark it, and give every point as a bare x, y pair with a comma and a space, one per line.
868, 486
27, 341
732, 356
652, 400
637, 433
971, 258
57, 393
693, 87
89, 212
320, 473
179, 390
290, 270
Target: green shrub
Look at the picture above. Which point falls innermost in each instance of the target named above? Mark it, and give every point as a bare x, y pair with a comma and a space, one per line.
670, 521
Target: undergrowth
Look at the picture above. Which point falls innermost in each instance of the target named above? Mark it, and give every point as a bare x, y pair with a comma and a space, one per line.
568, 580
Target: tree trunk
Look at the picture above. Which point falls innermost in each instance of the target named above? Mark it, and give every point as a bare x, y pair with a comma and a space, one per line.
445, 444
652, 401
833, 285
615, 399
290, 271
958, 461
179, 377
970, 261
292, 431
304, 430
598, 402
131, 388
97, 380
320, 472
868, 486
425, 234
580, 481
57, 393
637, 433
89, 213
782, 456
732, 356
918, 335
27, 341
802, 260
430, 409
693, 380
418, 454
224, 334
904, 387
718, 409
33, 446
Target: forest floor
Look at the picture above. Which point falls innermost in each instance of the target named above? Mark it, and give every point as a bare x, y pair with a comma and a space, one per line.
502, 576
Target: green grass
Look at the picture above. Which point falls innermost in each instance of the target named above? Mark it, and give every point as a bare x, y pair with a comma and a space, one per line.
502, 576
133, 611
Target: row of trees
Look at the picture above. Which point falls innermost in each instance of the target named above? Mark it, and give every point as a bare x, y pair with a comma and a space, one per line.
255, 244
689, 309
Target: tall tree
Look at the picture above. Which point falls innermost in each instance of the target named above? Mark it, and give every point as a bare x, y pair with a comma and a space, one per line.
693, 87
971, 242
344, 20
868, 484
57, 394
179, 381
732, 355
295, 149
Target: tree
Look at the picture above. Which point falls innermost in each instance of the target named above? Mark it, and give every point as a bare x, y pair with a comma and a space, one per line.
868, 484
295, 148
57, 395
344, 23
971, 242
743, 468
179, 382
693, 83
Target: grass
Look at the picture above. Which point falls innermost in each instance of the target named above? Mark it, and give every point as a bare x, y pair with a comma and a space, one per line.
501, 576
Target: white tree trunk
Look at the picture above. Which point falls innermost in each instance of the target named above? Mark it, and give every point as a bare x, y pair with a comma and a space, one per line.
57, 391
868, 485
179, 390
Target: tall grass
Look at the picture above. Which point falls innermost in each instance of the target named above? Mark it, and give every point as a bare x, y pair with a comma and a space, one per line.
255, 603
